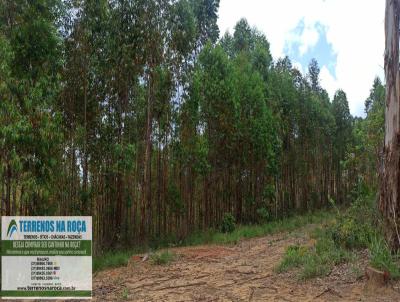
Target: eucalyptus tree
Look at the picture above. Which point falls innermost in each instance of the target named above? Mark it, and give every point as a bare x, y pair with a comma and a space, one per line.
213, 91
389, 192
375, 126
342, 137
257, 142
156, 128
206, 13
368, 137
30, 142
313, 75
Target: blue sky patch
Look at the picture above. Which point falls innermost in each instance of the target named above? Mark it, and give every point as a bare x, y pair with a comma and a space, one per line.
322, 51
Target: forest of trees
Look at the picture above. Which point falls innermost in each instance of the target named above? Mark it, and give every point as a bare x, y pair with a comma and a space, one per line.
135, 112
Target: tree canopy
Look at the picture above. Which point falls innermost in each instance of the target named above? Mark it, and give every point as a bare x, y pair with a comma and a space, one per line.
136, 113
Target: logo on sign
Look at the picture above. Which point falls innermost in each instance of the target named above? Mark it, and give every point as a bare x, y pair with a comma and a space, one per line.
12, 227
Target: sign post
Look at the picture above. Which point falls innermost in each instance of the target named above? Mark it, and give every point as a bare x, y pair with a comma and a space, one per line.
46, 257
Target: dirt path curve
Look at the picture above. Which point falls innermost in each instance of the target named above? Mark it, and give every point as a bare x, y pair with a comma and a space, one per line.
244, 272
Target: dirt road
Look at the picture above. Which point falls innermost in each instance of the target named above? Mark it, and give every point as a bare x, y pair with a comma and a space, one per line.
244, 272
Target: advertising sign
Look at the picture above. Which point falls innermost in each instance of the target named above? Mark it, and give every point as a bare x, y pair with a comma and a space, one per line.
46, 257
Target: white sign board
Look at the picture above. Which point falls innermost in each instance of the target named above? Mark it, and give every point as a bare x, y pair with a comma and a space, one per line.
46, 257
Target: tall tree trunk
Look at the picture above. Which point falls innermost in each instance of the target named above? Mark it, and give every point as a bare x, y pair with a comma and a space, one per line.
159, 183
146, 201
390, 177
8, 191
85, 153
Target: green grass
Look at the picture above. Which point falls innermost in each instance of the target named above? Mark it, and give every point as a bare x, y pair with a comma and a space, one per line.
335, 243
381, 258
125, 294
295, 256
162, 257
121, 257
112, 259
314, 261
252, 231
357, 227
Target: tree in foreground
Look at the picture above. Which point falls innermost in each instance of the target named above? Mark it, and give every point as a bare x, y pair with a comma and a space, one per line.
390, 185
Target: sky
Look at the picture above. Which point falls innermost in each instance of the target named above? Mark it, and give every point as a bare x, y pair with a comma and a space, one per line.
345, 36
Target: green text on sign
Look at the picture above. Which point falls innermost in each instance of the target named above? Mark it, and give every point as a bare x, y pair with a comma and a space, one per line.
46, 248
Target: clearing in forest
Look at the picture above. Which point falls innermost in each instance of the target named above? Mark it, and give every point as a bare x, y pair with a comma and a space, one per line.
241, 272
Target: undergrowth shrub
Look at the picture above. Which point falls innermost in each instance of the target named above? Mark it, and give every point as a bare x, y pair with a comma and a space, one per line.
228, 223
111, 259
315, 260
295, 256
262, 215
162, 258
355, 228
382, 259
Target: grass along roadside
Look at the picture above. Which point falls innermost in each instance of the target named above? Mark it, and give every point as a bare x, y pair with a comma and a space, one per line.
258, 230
119, 258
340, 240
162, 257
315, 260
113, 259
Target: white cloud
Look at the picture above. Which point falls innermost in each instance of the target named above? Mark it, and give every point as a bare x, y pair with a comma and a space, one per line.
306, 40
328, 81
355, 29
309, 39
298, 66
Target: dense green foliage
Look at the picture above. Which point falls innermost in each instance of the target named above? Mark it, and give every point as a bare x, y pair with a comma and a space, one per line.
228, 223
359, 226
135, 113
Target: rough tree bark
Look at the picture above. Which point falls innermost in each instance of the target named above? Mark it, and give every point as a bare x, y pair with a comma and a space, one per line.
390, 170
